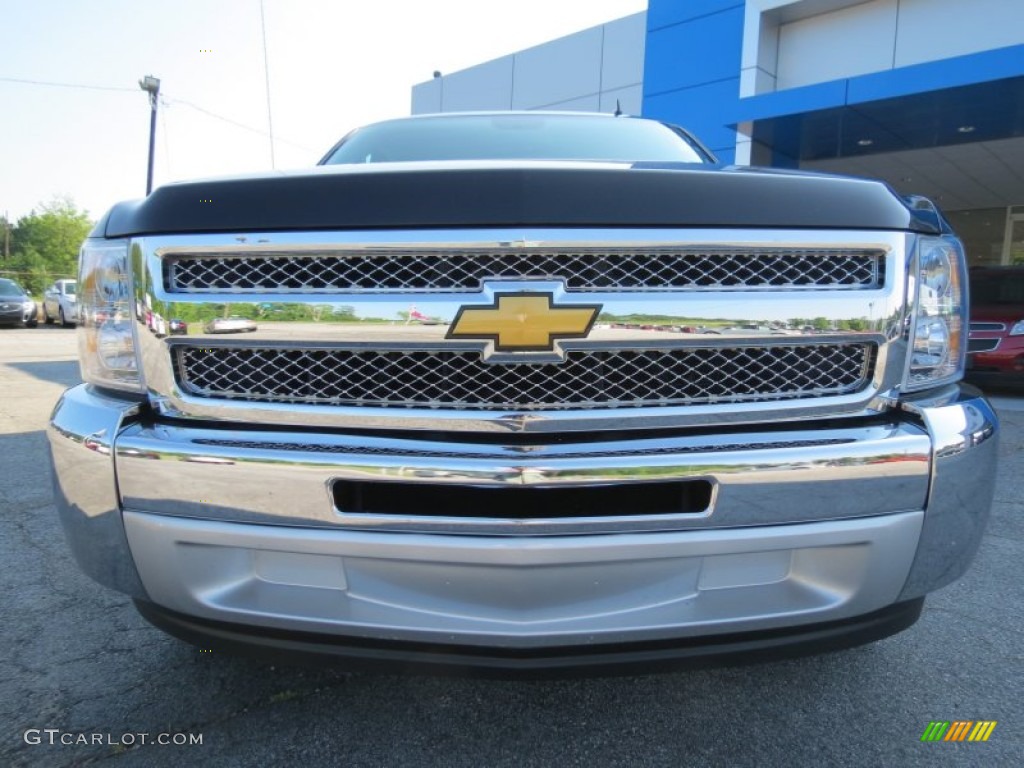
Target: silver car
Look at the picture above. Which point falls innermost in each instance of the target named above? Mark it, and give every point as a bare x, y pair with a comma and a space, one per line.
60, 303
16, 306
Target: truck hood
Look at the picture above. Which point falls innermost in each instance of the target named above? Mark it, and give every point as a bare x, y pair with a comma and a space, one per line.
518, 194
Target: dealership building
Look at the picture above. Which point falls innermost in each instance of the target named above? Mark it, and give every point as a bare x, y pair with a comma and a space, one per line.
925, 94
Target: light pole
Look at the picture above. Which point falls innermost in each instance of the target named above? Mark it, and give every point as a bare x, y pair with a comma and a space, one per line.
151, 85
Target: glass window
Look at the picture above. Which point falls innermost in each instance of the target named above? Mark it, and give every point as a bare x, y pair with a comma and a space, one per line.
997, 287
10, 288
1015, 246
515, 137
982, 231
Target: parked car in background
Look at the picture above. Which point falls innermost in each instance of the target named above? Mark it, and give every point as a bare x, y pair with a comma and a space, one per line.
60, 302
16, 306
177, 327
995, 349
233, 324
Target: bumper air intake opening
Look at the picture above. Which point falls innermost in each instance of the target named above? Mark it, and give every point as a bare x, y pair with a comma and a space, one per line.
522, 502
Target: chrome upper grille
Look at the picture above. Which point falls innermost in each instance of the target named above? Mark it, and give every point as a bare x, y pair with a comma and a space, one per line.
462, 271
461, 379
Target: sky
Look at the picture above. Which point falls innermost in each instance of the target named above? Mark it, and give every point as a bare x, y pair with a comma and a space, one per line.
333, 65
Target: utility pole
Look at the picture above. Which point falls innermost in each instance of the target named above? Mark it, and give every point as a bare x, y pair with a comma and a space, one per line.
7, 236
266, 76
151, 85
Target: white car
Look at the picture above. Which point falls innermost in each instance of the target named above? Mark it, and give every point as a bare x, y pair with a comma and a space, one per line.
233, 324
59, 303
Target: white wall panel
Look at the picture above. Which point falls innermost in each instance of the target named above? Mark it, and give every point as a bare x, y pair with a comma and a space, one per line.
624, 42
879, 35
630, 98
563, 69
582, 104
849, 42
426, 97
939, 29
485, 86
584, 71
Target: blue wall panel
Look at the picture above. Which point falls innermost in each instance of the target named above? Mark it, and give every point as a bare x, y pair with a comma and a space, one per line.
698, 109
691, 77
692, 67
975, 68
808, 98
662, 13
997, 64
699, 51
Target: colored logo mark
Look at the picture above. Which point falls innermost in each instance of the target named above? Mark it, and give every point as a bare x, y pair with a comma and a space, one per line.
959, 730
524, 321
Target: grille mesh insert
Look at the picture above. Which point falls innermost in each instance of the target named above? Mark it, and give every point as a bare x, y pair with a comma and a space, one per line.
464, 271
461, 379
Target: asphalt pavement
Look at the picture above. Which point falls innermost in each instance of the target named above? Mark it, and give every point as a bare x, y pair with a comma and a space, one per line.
81, 667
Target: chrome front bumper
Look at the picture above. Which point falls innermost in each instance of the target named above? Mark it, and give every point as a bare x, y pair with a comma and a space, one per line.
810, 525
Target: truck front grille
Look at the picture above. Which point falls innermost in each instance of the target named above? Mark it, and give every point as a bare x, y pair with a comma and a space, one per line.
458, 271
461, 379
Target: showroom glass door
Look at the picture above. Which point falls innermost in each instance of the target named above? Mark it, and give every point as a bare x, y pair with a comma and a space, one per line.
1013, 247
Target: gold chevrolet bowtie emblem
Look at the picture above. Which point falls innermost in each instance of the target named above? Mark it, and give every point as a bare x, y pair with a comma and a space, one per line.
524, 322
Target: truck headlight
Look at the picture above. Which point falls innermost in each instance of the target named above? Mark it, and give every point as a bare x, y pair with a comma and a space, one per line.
937, 347
1017, 329
106, 334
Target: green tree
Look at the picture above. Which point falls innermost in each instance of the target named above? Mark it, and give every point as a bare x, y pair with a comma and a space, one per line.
5, 236
44, 245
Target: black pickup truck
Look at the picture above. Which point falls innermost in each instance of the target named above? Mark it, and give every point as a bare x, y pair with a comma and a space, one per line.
524, 392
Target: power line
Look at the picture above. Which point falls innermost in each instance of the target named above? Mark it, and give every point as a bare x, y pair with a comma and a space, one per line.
53, 84
235, 123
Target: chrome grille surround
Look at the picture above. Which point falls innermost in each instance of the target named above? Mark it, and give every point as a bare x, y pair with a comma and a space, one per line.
583, 270
460, 379
367, 450
673, 324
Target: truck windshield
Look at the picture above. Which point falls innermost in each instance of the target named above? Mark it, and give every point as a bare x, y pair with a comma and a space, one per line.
516, 137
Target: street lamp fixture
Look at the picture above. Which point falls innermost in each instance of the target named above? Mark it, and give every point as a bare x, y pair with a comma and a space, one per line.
151, 85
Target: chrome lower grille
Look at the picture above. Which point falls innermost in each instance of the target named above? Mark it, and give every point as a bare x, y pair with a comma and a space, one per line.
455, 271
462, 380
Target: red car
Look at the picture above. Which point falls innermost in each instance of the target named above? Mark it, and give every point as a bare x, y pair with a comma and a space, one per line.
995, 349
